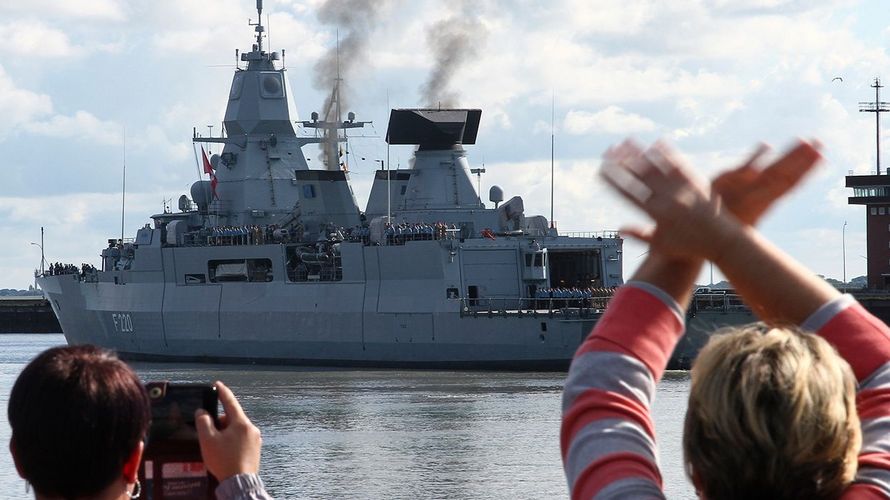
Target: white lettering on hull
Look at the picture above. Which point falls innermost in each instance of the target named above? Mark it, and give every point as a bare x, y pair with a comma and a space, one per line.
122, 322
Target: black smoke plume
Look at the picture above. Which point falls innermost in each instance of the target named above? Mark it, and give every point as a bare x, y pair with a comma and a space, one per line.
355, 21
453, 42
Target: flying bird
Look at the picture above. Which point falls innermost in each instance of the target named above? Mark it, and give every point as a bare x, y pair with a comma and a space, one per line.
837, 78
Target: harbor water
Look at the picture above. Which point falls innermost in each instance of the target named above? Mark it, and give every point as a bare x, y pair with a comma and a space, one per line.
390, 434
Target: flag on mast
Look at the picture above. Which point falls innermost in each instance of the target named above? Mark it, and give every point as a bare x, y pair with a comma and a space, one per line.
208, 169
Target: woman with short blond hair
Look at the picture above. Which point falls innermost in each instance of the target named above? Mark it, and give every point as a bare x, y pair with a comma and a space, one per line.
773, 412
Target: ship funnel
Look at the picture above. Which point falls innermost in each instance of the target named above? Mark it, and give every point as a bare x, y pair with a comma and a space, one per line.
433, 129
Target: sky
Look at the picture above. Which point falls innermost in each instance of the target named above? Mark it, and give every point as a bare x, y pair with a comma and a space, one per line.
88, 86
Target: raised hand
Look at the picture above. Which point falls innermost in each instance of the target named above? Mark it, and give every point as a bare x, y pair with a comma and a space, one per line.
749, 190
688, 217
683, 206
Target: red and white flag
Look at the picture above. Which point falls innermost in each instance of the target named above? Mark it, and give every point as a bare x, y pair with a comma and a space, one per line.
208, 169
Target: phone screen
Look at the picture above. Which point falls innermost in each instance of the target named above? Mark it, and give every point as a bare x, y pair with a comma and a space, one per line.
173, 467
173, 410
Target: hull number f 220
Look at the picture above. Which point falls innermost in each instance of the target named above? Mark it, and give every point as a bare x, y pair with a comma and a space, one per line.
122, 322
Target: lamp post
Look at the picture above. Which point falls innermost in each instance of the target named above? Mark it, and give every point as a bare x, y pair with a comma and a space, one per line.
844, 251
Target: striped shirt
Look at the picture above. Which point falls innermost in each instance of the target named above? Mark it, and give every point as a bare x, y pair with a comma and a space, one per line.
607, 436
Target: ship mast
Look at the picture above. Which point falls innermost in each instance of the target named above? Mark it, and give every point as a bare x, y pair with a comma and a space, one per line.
877, 107
259, 26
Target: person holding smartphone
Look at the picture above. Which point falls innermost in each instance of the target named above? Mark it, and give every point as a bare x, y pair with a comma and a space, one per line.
79, 418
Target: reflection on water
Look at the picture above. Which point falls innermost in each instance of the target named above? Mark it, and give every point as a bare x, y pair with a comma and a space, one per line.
391, 434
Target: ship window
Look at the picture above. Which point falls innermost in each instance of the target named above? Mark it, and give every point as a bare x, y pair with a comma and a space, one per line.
309, 191
874, 211
250, 270
451, 293
882, 211
404, 190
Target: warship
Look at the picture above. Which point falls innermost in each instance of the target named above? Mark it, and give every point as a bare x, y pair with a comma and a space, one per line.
273, 262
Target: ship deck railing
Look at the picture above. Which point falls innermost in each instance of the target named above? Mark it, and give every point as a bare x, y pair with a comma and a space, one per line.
492, 307
607, 234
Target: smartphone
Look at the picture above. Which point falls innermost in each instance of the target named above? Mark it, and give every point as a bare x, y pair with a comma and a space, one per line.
172, 464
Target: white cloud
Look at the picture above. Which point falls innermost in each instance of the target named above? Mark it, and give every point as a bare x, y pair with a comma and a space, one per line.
35, 39
611, 120
82, 126
109, 10
19, 106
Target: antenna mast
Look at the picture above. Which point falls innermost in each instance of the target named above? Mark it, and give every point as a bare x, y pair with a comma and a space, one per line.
877, 107
259, 26
552, 169
124, 187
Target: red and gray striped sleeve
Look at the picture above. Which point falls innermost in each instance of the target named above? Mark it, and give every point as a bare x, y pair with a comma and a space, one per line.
864, 341
607, 436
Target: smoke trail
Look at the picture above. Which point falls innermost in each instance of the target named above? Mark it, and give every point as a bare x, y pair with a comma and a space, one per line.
453, 42
355, 21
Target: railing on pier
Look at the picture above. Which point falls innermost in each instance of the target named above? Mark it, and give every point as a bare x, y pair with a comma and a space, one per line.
579, 308
717, 302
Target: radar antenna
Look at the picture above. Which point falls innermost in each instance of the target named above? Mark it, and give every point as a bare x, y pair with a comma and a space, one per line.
259, 26
877, 107
332, 122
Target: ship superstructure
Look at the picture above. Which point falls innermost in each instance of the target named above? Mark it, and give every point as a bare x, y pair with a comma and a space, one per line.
274, 262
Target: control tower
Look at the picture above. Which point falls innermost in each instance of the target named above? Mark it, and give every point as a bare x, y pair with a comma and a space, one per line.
873, 191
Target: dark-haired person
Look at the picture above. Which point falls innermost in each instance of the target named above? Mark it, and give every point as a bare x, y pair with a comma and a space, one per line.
774, 412
79, 416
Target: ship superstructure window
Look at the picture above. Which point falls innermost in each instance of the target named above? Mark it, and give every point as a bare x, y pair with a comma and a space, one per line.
308, 191
874, 211
882, 211
243, 270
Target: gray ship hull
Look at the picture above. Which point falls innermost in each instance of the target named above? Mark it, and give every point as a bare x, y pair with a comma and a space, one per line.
366, 322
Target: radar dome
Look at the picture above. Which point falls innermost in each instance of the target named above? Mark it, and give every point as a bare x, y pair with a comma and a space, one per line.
201, 194
495, 194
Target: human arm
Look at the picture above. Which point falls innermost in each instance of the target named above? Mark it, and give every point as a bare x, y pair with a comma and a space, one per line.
607, 440
782, 292
232, 451
693, 221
